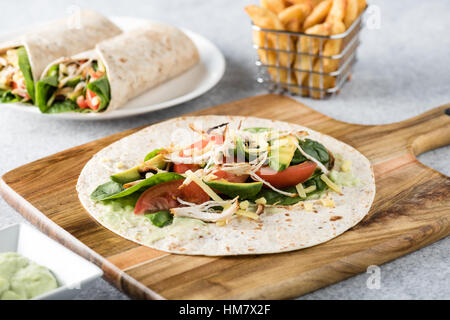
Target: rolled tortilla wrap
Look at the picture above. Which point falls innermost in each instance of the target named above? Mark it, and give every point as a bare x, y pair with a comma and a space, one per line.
134, 62
62, 38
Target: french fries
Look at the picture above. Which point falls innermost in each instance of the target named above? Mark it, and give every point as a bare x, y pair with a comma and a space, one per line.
351, 13
318, 15
331, 48
337, 11
276, 6
296, 61
311, 47
292, 17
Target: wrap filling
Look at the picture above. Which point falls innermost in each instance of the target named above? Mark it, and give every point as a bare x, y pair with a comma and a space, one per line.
74, 86
16, 78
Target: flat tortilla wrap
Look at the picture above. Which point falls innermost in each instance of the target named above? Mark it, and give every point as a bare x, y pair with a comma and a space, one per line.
279, 229
141, 59
63, 38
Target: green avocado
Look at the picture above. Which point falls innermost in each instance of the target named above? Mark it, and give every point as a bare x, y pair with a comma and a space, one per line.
134, 174
130, 175
231, 189
281, 153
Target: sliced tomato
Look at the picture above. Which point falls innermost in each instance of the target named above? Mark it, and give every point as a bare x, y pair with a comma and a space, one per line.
81, 102
181, 168
230, 177
92, 103
158, 198
193, 193
95, 74
218, 139
164, 197
201, 145
292, 176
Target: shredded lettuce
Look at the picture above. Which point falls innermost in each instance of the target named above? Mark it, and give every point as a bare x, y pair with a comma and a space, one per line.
25, 67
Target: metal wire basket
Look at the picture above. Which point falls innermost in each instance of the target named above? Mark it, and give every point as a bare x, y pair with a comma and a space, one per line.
295, 62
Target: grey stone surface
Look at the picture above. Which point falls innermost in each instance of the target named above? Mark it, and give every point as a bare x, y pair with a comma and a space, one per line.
403, 70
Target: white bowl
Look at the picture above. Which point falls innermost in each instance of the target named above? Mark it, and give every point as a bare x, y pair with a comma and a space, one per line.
72, 272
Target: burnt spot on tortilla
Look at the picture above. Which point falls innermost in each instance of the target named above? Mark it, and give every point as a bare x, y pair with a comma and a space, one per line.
335, 218
123, 60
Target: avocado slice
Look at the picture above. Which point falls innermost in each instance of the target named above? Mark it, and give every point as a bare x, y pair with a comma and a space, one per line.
231, 189
134, 174
281, 153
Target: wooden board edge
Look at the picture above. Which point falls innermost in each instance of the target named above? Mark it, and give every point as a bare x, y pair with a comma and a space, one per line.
338, 270
111, 273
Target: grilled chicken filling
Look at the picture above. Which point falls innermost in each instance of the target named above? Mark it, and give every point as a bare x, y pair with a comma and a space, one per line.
11, 76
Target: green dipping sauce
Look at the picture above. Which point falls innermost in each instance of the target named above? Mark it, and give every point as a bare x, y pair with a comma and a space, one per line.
22, 279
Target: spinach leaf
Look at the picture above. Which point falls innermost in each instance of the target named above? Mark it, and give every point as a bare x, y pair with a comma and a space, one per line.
25, 67
8, 97
125, 202
153, 154
65, 106
160, 219
46, 87
312, 148
102, 89
146, 184
317, 182
106, 190
74, 82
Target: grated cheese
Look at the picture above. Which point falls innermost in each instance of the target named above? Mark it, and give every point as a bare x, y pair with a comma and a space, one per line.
262, 201
330, 184
244, 205
247, 214
310, 189
202, 185
328, 202
346, 166
301, 191
309, 206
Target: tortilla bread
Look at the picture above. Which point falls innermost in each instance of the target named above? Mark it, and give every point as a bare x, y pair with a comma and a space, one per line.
63, 38
141, 59
279, 230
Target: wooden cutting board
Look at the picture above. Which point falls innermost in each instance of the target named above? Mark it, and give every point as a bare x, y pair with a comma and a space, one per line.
411, 210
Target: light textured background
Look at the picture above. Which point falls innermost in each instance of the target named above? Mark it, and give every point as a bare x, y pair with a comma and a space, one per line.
403, 70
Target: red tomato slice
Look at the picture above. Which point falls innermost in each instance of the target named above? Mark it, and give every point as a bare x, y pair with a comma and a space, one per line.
202, 144
95, 74
230, 177
193, 193
90, 100
158, 198
292, 176
181, 168
81, 102
164, 197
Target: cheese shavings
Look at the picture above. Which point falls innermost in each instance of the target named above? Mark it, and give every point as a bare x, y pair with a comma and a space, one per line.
203, 186
330, 184
203, 212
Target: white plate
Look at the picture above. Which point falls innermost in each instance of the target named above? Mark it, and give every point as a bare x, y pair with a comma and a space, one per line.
186, 87
71, 271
